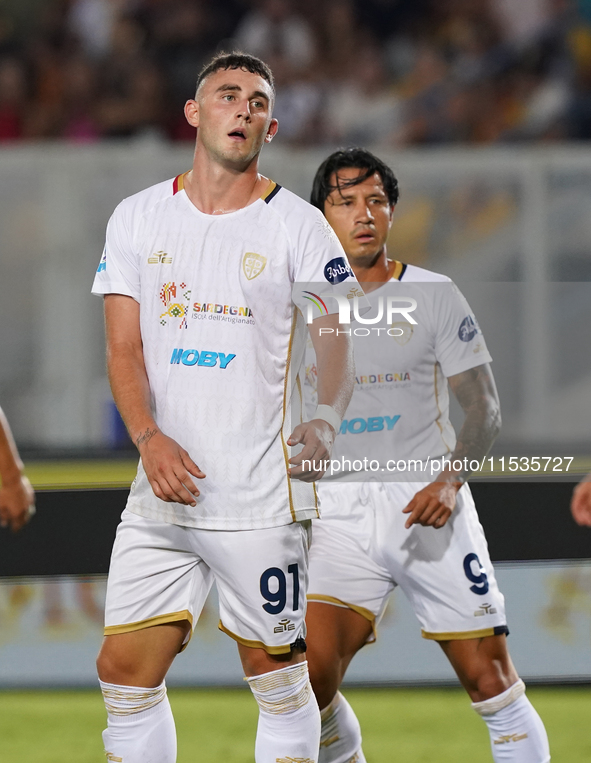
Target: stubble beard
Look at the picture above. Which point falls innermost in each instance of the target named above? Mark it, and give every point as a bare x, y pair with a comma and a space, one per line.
231, 158
365, 260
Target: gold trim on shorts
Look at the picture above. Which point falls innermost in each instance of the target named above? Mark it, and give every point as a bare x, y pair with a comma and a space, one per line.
285, 649
464, 635
171, 617
320, 598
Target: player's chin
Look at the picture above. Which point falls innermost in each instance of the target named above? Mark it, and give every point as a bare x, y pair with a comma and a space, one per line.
364, 254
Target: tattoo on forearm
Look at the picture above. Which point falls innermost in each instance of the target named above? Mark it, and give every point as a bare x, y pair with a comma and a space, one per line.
476, 393
145, 436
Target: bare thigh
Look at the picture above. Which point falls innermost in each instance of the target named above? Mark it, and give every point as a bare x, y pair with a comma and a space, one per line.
255, 662
143, 657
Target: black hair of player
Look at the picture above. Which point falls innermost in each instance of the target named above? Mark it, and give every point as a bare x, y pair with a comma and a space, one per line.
357, 158
236, 60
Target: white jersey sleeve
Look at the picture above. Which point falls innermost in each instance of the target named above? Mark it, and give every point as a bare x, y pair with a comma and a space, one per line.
459, 343
118, 271
119, 268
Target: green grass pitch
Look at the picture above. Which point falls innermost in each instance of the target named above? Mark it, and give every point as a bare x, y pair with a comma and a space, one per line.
218, 725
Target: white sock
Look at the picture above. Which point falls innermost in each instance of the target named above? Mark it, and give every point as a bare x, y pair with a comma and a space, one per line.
140, 726
289, 719
340, 737
517, 734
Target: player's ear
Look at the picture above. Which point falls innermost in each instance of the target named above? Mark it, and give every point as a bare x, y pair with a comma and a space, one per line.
272, 130
192, 113
392, 208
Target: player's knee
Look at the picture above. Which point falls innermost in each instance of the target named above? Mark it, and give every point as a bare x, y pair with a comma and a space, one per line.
108, 668
490, 680
105, 667
116, 667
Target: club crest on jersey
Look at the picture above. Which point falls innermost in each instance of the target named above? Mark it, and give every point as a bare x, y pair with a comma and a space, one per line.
160, 258
253, 264
404, 335
337, 270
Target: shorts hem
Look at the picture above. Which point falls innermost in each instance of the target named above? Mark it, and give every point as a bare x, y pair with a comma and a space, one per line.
284, 649
367, 614
497, 630
171, 617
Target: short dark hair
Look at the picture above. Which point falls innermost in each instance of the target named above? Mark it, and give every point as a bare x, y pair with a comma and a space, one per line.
236, 60
358, 158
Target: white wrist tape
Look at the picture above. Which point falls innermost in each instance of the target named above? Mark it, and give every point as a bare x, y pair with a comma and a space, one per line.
327, 413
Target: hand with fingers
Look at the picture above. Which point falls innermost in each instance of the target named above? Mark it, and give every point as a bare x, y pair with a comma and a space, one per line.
17, 502
317, 437
432, 506
169, 469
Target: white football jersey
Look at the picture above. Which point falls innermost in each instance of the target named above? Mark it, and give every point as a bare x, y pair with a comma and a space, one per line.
222, 300
400, 406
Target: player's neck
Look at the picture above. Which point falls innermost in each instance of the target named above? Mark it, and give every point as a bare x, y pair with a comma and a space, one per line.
372, 276
216, 189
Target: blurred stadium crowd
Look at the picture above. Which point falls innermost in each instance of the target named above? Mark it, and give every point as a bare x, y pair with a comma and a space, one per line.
390, 72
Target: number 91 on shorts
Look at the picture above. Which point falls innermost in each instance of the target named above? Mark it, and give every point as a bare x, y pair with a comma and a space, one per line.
261, 578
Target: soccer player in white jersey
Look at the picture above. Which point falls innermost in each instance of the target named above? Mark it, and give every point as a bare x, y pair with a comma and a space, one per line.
204, 278
419, 534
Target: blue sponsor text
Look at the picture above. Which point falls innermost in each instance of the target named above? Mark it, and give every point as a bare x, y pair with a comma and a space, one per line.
372, 424
201, 358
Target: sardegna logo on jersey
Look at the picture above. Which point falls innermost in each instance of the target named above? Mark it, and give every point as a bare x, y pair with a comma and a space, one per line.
337, 270
205, 358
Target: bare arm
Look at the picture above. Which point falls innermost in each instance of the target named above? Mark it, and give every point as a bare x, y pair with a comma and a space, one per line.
581, 503
168, 466
17, 499
336, 378
476, 392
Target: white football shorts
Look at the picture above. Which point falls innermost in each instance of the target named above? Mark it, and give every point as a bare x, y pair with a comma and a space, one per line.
162, 573
361, 551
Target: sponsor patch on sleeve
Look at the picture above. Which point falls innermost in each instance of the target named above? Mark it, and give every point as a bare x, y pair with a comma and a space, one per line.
337, 270
468, 329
